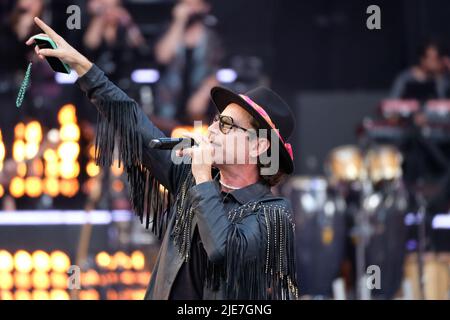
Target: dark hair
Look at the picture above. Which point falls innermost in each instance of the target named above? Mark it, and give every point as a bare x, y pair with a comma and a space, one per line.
431, 43
270, 180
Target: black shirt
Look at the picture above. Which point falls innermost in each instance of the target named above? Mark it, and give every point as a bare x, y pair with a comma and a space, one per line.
190, 280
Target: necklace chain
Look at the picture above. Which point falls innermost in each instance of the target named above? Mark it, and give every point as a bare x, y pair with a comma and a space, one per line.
228, 186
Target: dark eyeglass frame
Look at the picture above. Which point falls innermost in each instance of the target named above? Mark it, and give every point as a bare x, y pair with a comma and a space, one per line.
229, 126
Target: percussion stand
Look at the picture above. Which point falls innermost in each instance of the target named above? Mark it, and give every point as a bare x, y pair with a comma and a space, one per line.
363, 232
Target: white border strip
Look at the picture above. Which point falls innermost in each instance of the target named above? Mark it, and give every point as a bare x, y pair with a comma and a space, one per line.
63, 217
441, 221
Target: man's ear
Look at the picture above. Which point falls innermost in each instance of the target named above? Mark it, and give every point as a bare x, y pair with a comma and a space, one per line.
259, 146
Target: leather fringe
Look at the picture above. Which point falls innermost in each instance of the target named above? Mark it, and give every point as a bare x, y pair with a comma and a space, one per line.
182, 229
117, 127
271, 275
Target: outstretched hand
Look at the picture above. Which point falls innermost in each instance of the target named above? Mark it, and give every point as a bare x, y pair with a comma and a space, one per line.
64, 51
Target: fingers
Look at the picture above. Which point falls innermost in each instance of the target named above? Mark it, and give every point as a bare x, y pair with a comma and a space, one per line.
30, 41
184, 152
49, 31
50, 53
36, 49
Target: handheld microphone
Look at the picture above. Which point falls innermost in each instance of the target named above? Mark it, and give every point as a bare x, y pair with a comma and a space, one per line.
170, 143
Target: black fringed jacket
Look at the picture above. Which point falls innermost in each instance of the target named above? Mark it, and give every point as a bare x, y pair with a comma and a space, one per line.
247, 243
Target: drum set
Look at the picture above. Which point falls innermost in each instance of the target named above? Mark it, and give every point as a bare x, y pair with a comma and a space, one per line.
350, 222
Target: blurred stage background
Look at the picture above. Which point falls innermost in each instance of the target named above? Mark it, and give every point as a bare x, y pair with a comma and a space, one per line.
372, 179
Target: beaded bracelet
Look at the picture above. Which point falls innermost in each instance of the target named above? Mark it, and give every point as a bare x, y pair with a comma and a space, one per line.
24, 86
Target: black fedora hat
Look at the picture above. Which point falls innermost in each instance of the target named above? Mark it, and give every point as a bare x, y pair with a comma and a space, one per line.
270, 111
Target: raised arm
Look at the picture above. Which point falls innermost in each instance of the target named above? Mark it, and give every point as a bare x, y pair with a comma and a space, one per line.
123, 118
167, 46
121, 114
124, 125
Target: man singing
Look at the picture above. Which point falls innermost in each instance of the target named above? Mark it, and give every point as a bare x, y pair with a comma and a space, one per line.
225, 235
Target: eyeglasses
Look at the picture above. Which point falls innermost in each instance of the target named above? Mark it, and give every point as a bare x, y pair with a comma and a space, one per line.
226, 123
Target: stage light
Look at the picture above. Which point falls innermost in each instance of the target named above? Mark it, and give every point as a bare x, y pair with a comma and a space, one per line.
104, 281
40, 295
121, 260
22, 169
6, 281
53, 136
41, 280
22, 280
31, 150
113, 267
23, 261
19, 131
17, 187
126, 294
68, 151
138, 294
60, 261
69, 169
127, 278
41, 261
143, 277
92, 169
226, 75
441, 221
33, 132
2, 190
92, 151
69, 188
37, 168
117, 186
111, 294
138, 260
6, 295
22, 295
113, 277
109, 279
57, 294
90, 278
115, 169
69, 132
2, 149
19, 151
33, 187
145, 75
91, 294
103, 259
51, 187
179, 131
52, 169
50, 155
6, 261
58, 280
67, 114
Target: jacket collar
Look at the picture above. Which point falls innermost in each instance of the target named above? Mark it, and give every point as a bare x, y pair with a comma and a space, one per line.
251, 192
